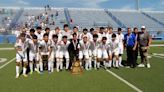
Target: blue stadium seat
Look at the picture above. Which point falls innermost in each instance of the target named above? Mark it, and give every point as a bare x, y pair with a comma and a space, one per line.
11, 39
2, 37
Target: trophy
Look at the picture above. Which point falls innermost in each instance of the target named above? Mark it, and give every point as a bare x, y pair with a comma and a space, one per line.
76, 68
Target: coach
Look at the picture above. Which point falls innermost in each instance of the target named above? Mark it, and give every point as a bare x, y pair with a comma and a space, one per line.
130, 43
144, 41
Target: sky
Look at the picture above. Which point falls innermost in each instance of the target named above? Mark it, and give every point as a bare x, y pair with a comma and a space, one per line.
148, 5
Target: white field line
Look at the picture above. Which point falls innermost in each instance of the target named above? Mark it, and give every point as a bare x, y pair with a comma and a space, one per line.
7, 63
7, 48
125, 81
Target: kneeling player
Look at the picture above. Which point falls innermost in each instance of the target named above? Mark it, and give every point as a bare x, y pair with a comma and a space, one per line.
21, 54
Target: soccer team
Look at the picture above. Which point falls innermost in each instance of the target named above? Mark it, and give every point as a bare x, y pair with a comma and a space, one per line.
41, 49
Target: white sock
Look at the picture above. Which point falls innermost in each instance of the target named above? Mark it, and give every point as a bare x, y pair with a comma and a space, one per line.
67, 63
95, 64
61, 64
49, 65
41, 66
52, 66
90, 64
17, 70
120, 60
37, 66
24, 70
98, 64
86, 64
110, 63
116, 63
31, 66
104, 63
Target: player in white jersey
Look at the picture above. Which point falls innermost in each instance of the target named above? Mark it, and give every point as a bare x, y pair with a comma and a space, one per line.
63, 52
39, 33
55, 51
66, 31
85, 33
113, 51
95, 43
45, 50
58, 33
102, 52
85, 51
21, 54
34, 53
121, 46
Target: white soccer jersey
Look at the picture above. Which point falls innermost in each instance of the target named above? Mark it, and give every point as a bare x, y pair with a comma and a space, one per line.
64, 46
89, 36
68, 34
22, 54
34, 47
114, 47
39, 35
45, 46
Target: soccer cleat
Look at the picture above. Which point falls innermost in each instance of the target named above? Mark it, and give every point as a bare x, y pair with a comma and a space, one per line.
148, 65
37, 71
17, 76
141, 65
31, 72
121, 65
25, 75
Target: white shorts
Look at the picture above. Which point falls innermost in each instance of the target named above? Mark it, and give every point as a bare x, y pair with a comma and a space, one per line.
62, 54
121, 49
115, 52
33, 56
102, 54
86, 54
20, 56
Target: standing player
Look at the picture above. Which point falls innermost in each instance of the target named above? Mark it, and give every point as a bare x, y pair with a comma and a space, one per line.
45, 52
55, 51
33, 54
63, 52
121, 46
113, 51
102, 52
85, 52
21, 54
94, 47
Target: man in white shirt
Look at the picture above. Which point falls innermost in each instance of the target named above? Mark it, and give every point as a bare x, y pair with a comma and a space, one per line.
21, 54
121, 46
113, 52
85, 51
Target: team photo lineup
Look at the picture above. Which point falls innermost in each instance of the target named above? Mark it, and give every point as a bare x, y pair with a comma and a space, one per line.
42, 49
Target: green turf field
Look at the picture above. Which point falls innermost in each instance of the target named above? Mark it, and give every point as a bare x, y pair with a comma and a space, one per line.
147, 80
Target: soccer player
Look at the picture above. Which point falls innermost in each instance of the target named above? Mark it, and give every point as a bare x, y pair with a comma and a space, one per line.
45, 50
33, 53
121, 46
21, 54
55, 51
95, 43
63, 52
113, 51
85, 52
102, 52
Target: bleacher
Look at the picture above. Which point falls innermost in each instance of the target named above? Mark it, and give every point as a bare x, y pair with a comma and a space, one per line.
87, 18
